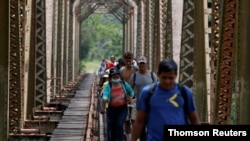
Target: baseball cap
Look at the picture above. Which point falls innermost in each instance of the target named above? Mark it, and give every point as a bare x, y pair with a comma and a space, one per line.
114, 71
142, 59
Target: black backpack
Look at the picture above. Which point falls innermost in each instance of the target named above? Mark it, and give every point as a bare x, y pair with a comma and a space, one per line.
183, 93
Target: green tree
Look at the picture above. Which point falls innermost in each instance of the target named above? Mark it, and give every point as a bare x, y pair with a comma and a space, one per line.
101, 36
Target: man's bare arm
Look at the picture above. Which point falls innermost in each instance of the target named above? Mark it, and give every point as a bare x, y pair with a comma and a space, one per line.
194, 118
138, 125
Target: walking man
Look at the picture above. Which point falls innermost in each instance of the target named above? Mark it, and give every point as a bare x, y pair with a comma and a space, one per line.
138, 80
165, 103
126, 73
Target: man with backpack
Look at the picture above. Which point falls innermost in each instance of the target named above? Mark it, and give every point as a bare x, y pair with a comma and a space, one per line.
138, 80
164, 103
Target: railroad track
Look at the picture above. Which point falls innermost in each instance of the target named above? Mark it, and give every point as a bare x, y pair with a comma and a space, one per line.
78, 120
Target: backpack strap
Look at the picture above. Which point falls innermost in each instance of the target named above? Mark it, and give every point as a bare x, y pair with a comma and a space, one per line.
134, 79
150, 93
152, 76
124, 89
185, 98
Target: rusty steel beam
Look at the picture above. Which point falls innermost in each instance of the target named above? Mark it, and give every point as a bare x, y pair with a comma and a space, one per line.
31, 61
148, 36
115, 13
243, 105
14, 68
144, 23
162, 28
77, 61
169, 31
64, 41
40, 58
207, 40
139, 29
128, 34
90, 6
4, 68
187, 44
90, 10
124, 37
226, 62
70, 43
215, 44
192, 56
54, 47
58, 46
131, 30
199, 70
26, 64
156, 34
23, 16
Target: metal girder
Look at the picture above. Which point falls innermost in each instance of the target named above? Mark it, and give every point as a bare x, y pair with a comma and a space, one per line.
41, 78
154, 33
215, 44
169, 33
131, 34
70, 43
54, 48
14, 67
88, 7
59, 44
115, 13
84, 15
243, 110
187, 44
199, 70
192, 56
157, 33
149, 10
139, 29
4, 68
162, 27
31, 53
226, 62
64, 43
23, 16
28, 41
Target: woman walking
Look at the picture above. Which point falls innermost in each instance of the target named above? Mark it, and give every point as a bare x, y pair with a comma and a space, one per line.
118, 94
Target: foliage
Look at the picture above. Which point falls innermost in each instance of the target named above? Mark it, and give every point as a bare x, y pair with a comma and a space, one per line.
101, 36
89, 66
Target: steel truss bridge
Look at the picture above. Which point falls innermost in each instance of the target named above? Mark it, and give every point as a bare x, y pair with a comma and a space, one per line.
39, 51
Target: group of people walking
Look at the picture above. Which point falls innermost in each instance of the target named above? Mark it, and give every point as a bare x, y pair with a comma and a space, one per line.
139, 102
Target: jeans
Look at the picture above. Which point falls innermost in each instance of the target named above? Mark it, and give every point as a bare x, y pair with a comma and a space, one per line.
116, 118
